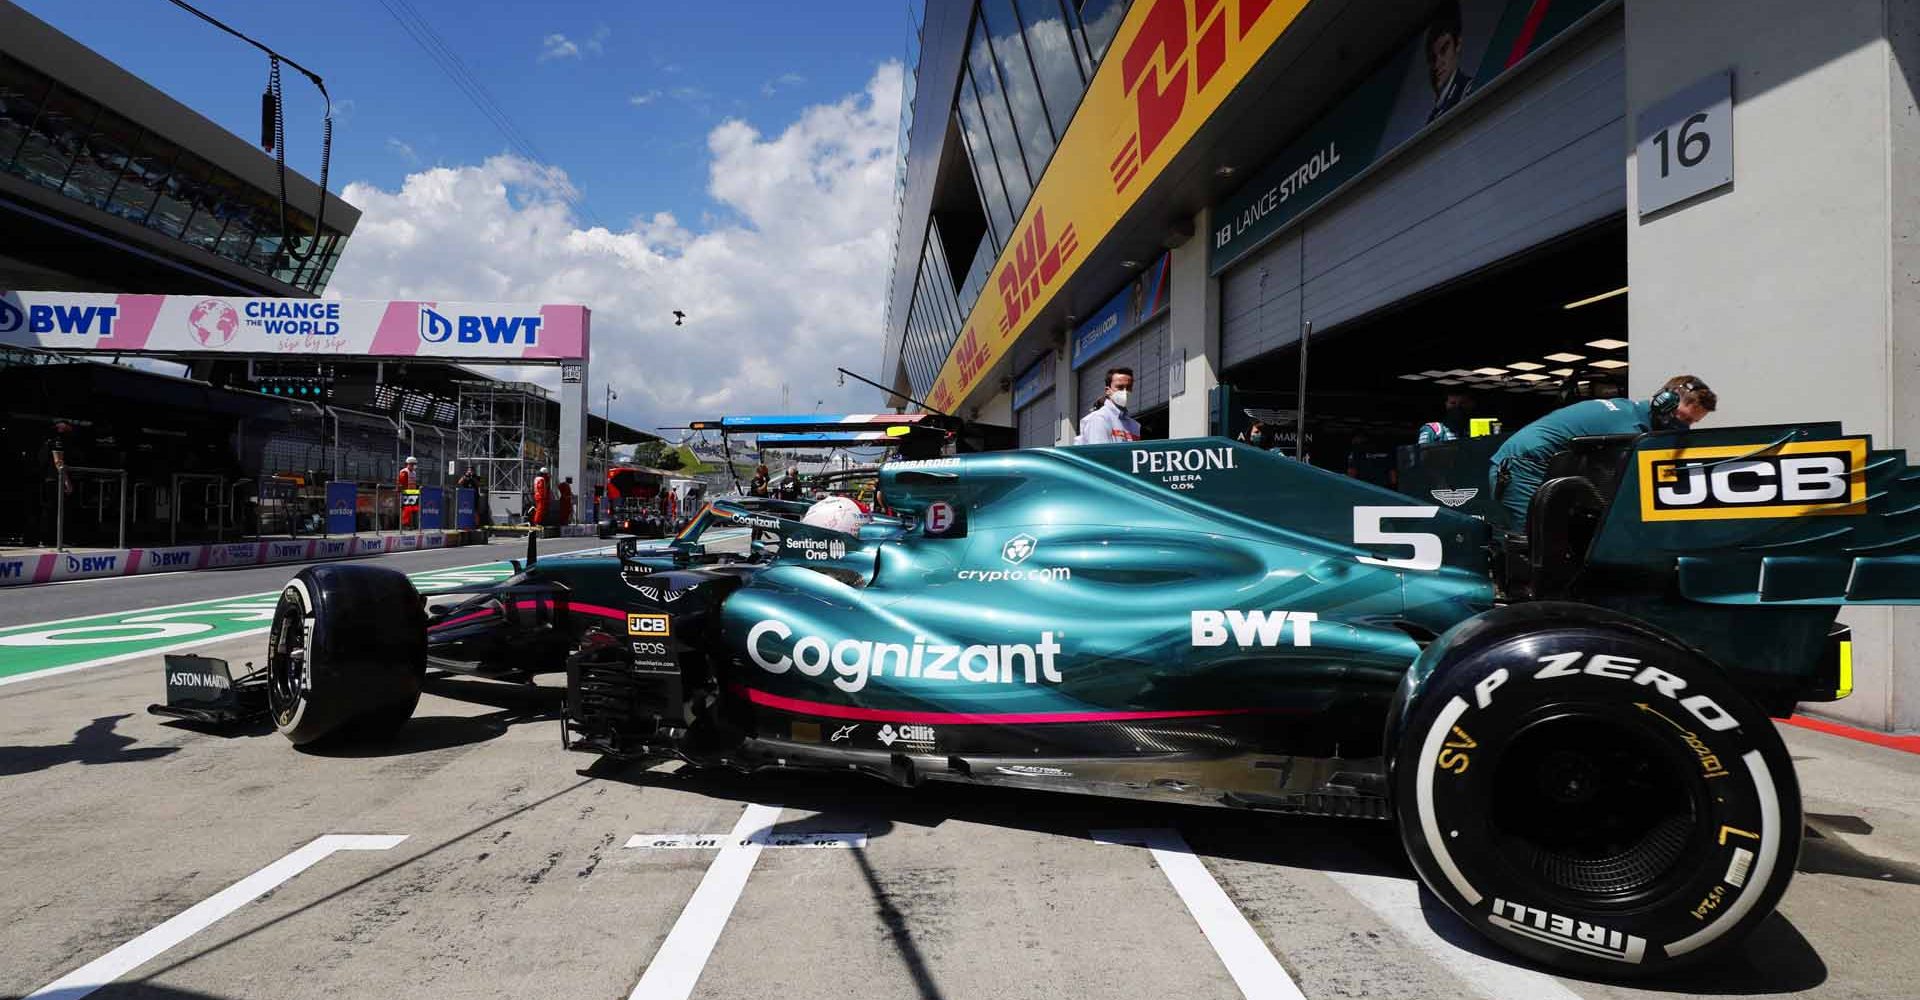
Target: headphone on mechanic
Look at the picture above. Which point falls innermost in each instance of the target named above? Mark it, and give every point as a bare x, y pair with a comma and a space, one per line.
1668, 399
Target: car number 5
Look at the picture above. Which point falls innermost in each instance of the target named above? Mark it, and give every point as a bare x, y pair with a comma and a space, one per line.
1367, 531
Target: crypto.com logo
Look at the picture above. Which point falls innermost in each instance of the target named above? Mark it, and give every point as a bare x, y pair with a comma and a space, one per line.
1180, 48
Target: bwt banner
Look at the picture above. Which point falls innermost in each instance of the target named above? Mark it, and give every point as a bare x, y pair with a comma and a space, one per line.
463, 508
340, 508
431, 507
200, 324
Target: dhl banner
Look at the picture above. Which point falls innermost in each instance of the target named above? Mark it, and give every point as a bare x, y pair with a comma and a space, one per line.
1171, 65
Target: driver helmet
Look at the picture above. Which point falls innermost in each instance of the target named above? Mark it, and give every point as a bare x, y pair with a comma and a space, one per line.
835, 514
543, 470
410, 459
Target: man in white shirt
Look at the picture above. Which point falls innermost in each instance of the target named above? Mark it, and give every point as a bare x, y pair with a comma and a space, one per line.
1109, 421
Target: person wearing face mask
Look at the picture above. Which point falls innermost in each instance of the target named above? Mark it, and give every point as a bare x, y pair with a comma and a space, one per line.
1454, 421
1109, 421
1520, 466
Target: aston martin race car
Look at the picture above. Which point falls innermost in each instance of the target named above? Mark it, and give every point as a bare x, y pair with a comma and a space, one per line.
1570, 725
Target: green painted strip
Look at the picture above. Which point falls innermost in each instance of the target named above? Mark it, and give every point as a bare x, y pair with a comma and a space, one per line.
119, 635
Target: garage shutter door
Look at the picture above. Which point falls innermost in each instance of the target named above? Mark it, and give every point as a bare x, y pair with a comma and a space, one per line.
1538, 158
1038, 421
1145, 352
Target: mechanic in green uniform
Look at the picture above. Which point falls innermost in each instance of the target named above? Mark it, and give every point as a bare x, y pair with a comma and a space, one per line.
1520, 466
1455, 422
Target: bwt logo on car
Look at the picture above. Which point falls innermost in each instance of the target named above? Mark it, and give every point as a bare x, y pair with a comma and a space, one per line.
438, 329
1252, 628
856, 660
43, 318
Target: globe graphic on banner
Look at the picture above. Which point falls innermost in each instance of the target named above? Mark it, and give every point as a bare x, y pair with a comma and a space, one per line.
213, 323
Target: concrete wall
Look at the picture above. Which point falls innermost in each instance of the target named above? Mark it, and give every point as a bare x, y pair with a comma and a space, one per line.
1193, 329
1793, 292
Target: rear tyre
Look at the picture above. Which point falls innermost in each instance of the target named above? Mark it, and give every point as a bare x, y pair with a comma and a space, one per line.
346, 653
1589, 794
606, 529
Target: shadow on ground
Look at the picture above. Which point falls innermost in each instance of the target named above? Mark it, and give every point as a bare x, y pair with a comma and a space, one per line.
94, 743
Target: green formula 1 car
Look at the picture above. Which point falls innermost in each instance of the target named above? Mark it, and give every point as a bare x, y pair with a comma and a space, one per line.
1571, 727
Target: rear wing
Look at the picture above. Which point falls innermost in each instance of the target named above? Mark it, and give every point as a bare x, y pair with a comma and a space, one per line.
1777, 516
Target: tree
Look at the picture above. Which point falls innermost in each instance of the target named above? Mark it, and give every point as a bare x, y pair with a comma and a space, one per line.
669, 461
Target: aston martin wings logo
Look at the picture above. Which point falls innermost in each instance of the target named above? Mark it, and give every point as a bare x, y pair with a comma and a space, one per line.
1454, 498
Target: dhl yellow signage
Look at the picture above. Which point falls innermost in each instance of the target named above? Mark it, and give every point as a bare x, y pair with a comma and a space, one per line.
1170, 66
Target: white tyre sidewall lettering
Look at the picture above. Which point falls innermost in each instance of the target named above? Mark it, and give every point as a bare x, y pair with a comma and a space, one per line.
309, 621
1434, 834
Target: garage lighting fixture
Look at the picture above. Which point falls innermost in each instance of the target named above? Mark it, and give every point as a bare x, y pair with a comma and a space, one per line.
1436, 374
1610, 363
1565, 358
1525, 366
1489, 371
1562, 372
1607, 344
1446, 381
1531, 377
1602, 297
1414, 378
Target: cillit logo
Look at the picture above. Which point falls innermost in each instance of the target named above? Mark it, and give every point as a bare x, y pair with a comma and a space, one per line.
438, 329
43, 318
1252, 628
890, 735
1753, 481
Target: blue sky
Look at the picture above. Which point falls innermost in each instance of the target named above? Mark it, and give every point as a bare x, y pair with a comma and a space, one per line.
623, 99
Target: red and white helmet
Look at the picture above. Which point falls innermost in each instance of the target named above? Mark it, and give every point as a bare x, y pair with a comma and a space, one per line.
835, 514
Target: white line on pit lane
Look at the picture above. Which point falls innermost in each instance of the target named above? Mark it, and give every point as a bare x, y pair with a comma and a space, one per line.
765, 838
1259, 975
677, 965
1397, 901
201, 915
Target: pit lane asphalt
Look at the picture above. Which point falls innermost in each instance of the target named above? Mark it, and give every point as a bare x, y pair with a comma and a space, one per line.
513, 880
51, 601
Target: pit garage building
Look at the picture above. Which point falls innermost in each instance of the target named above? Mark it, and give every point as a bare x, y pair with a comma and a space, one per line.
1518, 198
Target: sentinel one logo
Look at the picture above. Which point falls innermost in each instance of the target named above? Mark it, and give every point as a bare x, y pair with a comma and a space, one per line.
1753, 481
1252, 628
438, 329
857, 660
818, 548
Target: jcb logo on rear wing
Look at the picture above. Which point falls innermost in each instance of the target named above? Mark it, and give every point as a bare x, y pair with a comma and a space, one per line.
1752, 481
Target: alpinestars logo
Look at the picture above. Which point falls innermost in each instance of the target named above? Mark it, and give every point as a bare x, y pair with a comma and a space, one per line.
1454, 498
1566, 932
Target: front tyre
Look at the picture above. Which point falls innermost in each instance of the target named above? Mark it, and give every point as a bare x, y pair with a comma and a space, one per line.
1591, 795
346, 653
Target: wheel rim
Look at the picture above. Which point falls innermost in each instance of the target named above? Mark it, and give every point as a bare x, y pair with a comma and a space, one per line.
289, 655
1593, 807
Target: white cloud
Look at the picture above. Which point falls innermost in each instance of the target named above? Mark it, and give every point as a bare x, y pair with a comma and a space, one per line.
784, 80
598, 43
403, 150
643, 99
558, 46
790, 286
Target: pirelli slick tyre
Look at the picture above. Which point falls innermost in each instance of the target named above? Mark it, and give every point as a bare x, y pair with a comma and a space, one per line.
605, 529
1590, 794
346, 653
